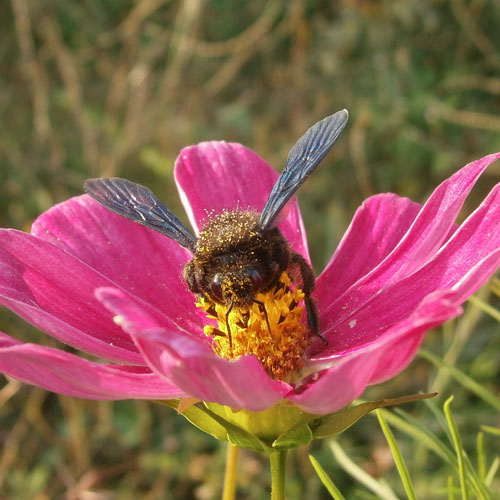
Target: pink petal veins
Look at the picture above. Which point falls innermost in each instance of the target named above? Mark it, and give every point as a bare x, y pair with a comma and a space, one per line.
377, 227
141, 261
68, 374
418, 246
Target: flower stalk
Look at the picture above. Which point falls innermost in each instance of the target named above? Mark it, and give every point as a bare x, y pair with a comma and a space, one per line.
278, 473
230, 474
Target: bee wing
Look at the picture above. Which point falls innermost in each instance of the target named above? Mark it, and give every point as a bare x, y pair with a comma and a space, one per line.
139, 204
302, 159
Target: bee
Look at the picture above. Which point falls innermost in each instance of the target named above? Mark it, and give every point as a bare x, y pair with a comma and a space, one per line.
238, 253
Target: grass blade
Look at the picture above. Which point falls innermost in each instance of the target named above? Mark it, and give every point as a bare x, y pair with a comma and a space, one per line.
495, 431
451, 492
458, 448
481, 457
326, 480
485, 307
463, 379
493, 470
477, 483
383, 491
412, 427
398, 458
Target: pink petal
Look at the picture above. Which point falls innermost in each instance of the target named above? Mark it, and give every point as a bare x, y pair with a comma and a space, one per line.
65, 373
346, 377
377, 227
214, 176
464, 263
55, 291
419, 245
191, 365
143, 262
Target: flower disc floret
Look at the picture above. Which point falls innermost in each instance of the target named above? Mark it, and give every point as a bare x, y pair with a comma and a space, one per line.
279, 348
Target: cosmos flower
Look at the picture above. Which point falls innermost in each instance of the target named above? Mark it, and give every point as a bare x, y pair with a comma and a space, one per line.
114, 290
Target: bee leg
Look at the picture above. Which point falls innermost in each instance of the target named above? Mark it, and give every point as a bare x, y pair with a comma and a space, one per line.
191, 278
228, 327
263, 309
307, 276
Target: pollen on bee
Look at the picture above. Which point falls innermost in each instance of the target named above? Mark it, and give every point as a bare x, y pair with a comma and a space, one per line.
279, 348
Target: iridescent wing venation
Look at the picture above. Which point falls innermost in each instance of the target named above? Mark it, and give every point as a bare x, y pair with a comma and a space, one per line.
302, 159
137, 203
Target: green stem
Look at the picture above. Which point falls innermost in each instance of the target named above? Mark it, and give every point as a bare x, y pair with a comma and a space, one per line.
278, 466
229, 492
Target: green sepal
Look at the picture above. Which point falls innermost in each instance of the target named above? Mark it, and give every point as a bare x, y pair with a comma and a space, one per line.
238, 436
199, 417
297, 435
211, 423
293, 427
335, 423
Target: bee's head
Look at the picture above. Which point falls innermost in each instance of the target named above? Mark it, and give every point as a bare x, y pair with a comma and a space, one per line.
238, 287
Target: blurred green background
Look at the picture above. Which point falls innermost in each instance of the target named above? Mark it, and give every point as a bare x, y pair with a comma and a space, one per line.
115, 87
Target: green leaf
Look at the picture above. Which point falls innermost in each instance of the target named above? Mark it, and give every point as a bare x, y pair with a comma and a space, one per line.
478, 485
463, 379
458, 447
297, 435
326, 480
421, 433
495, 431
484, 306
381, 489
335, 423
398, 458
450, 488
481, 456
414, 428
492, 471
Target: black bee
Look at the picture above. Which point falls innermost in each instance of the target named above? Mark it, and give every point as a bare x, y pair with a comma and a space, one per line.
238, 253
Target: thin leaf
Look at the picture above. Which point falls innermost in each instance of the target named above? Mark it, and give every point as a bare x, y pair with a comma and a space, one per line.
326, 480
414, 428
495, 431
495, 285
481, 457
493, 470
463, 379
383, 491
476, 482
398, 458
458, 447
451, 492
420, 433
484, 306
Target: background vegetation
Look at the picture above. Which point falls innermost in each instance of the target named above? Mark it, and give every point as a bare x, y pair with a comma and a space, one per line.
118, 87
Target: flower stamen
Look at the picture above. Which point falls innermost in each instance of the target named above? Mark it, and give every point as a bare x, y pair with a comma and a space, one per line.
271, 328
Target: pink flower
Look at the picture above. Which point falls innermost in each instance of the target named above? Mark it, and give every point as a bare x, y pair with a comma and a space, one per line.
400, 270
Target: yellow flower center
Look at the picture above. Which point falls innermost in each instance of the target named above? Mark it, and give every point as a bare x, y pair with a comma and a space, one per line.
279, 346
